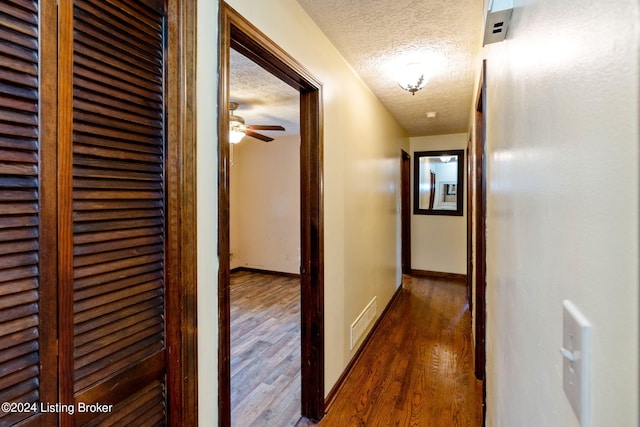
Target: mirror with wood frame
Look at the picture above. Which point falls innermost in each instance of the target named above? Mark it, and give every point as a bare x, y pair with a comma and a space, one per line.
438, 182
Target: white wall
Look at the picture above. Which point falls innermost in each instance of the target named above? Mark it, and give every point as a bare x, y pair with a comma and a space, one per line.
265, 204
562, 134
439, 242
362, 144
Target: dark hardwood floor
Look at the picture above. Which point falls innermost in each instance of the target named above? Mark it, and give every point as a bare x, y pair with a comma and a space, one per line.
265, 350
417, 369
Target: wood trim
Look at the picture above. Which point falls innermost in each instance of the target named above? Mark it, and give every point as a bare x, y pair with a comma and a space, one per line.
65, 212
224, 244
470, 213
405, 200
343, 377
440, 275
481, 214
261, 271
312, 253
181, 271
235, 31
48, 304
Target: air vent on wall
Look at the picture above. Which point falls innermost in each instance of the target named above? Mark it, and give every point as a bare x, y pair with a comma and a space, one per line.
363, 321
497, 22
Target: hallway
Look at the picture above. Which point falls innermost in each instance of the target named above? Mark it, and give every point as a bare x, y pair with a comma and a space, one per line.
417, 369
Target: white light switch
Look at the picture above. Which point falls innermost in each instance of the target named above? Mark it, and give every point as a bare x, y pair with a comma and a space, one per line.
576, 352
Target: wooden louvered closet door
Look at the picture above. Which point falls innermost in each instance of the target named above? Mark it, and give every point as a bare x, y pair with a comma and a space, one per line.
83, 209
112, 311
28, 310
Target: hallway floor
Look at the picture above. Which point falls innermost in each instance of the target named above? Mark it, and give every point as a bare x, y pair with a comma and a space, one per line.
417, 369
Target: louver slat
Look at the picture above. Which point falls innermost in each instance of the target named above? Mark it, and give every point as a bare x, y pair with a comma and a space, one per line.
144, 408
118, 205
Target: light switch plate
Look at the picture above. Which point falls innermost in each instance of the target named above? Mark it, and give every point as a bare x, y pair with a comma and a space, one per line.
576, 354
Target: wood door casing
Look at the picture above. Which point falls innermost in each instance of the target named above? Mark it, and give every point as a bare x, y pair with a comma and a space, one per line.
481, 227
470, 219
405, 200
237, 32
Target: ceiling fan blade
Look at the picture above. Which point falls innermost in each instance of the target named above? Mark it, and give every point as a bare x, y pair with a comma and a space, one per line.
264, 127
258, 136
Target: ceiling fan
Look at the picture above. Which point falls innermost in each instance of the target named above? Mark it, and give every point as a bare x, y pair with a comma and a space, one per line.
237, 128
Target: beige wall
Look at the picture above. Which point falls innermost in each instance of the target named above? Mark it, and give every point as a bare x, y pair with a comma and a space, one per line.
362, 145
439, 242
207, 208
562, 134
265, 204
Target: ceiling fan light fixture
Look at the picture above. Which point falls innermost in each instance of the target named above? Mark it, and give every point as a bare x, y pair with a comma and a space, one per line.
238, 129
412, 78
236, 125
235, 136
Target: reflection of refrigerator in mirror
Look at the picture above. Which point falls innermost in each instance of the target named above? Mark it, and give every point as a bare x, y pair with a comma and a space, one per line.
437, 176
448, 198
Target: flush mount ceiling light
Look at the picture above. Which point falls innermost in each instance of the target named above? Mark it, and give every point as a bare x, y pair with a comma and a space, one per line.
412, 78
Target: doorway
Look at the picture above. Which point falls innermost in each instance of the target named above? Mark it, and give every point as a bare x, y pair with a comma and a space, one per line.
265, 246
405, 201
237, 33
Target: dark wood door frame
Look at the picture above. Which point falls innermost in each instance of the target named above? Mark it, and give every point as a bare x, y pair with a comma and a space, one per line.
470, 198
481, 225
405, 201
181, 268
235, 31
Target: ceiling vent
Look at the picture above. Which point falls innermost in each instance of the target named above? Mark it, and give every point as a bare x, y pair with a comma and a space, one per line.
497, 22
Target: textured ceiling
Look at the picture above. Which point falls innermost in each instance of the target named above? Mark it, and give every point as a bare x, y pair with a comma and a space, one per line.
263, 98
379, 37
